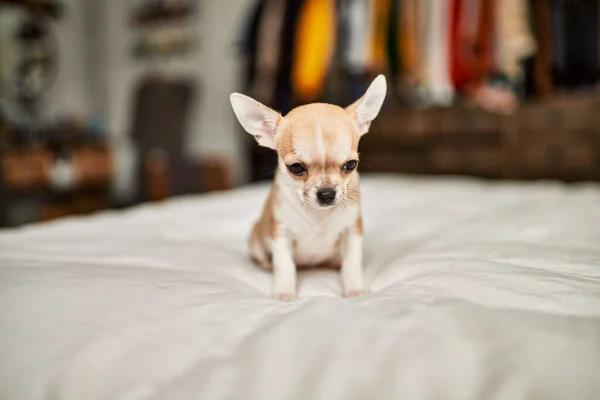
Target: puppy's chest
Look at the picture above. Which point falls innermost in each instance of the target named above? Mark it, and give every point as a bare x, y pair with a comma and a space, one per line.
316, 239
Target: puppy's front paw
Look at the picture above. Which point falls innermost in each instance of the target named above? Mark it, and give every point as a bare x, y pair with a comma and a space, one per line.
354, 292
267, 266
285, 296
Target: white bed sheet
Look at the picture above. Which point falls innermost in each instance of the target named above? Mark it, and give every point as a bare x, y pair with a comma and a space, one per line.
479, 291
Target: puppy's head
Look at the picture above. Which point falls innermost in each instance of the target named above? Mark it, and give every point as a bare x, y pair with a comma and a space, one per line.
317, 144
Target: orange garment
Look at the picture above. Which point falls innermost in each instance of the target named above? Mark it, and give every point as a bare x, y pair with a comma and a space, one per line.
379, 29
315, 42
409, 40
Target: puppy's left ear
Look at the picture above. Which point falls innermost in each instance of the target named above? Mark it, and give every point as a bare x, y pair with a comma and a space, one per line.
366, 109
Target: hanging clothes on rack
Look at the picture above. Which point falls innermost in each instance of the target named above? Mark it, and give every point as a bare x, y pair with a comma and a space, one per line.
410, 41
461, 44
514, 39
315, 39
436, 88
476, 69
269, 58
489, 53
542, 67
268, 50
355, 24
581, 23
392, 42
248, 44
379, 32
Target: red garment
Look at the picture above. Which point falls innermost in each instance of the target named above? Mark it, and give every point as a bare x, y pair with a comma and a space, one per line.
471, 57
459, 55
484, 54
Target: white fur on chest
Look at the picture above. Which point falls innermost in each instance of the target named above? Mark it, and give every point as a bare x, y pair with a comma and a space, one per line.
316, 234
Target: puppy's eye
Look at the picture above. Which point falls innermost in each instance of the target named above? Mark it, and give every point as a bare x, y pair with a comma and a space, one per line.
296, 169
350, 166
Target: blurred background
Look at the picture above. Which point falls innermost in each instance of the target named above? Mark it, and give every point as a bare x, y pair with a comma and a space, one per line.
110, 103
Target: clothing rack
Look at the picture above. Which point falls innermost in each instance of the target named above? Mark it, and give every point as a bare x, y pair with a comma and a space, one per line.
492, 55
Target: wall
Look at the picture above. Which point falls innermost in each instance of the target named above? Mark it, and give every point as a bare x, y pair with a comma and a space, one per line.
98, 75
218, 130
214, 66
70, 92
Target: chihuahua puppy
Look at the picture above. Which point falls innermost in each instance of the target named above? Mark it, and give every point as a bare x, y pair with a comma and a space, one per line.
312, 215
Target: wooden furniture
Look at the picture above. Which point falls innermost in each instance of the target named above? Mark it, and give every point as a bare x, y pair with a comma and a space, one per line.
52, 185
28, 179
161, 113
550, 139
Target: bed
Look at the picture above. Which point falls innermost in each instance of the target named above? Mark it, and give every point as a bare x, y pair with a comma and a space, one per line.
479, 290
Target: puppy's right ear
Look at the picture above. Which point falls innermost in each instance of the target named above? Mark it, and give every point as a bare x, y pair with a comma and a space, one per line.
256, 119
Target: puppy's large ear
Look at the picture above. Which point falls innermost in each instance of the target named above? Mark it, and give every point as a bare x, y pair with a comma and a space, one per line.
365, 109
256, 119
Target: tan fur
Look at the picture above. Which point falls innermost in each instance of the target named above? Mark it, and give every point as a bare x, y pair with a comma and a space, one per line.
359, 226
312, 214
299, 125
265, 228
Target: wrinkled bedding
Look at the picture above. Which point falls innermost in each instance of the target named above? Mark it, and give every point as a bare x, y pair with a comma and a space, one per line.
479, 290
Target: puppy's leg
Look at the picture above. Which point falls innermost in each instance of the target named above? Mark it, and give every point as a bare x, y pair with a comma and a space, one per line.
258, 253
352, 255
284, 269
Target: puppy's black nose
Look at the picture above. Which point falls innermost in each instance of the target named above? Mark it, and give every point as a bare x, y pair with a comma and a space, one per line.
326, 196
